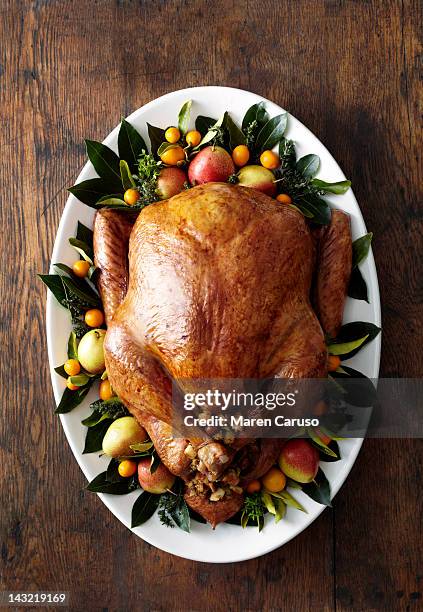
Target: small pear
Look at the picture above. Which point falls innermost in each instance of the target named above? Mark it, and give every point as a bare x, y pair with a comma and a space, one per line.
157, 482
299, 460
212, 164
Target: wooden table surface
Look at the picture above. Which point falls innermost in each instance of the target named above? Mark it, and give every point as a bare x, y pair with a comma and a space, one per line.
69, 70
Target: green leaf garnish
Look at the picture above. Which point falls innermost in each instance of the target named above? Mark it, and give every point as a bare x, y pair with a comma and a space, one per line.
308, 165
253, 511
321, 446
86, 295
73, 293
142, 447
338, 188
85, 234
157, 136
148, 174
165, 146
155, 461
313, 207
271, 133
361, 248
214, 131
280, 510
291, 180
350, 332
357, 389
203, 124
72, 399
90, 191
83, 249
79, 380
357, 287
293, 484
102, 484
112, 472
68, 270
289, 500
105, 162
236, 137
255, 114
54, 283
60, 370
319, 489
111, 409
344, 348
94, 436
183, 117
130, 144
329, 458
268, 502
95, 418
173, 509
113, 200
287, 154
144, 508
126, 176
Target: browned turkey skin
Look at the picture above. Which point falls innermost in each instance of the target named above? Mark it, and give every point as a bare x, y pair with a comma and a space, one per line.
217, 285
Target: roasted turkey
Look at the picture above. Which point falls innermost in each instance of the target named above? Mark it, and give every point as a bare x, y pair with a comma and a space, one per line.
220, 281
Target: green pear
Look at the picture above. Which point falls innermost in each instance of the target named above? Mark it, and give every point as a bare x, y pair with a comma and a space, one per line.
90, 351
121, 434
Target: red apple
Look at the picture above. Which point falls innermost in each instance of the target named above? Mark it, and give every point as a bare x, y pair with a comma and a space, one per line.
170, 182
156, 482
212, 164
299, 460
258, 177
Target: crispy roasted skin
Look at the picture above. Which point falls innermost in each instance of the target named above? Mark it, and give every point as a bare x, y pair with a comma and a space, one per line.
170, 449
112, 229
215, 512
219, 285
111, 242
266, 454
333, 270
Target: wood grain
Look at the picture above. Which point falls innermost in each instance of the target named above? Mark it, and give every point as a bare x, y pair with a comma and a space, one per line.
68, 70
